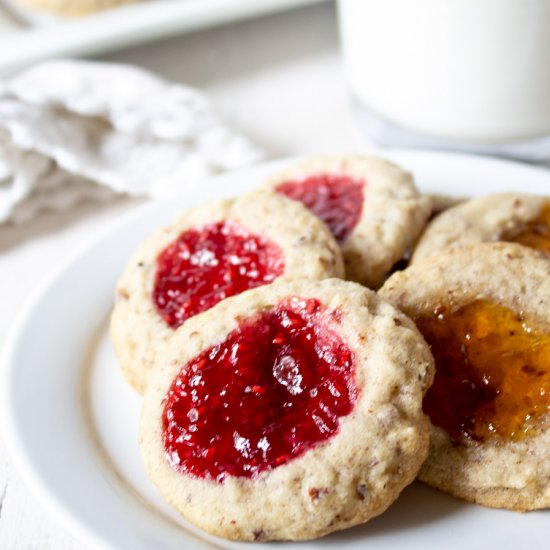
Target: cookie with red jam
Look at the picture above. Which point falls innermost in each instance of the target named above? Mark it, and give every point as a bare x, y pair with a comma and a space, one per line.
207, 254
371, 206
509, 217
288, 412
485, 311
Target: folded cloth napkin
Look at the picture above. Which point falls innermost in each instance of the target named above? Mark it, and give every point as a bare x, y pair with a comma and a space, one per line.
71, 130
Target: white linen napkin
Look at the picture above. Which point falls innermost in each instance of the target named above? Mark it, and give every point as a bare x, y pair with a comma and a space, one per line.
71, 130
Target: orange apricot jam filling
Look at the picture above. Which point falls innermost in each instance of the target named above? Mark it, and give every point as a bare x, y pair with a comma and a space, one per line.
492, 376
537, 233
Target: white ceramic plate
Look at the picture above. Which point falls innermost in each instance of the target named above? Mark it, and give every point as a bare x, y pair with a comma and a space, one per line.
71, 422
121, 27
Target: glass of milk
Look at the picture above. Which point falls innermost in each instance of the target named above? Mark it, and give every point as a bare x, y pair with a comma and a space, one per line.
461, 74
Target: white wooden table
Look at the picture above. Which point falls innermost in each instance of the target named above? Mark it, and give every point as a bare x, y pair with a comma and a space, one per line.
277, 79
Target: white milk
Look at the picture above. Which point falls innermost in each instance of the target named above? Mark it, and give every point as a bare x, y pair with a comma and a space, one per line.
473, 70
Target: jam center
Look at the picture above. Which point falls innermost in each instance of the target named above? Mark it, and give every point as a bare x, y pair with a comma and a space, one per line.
274, 388
207, 264
336, 199
492, 372
537, 233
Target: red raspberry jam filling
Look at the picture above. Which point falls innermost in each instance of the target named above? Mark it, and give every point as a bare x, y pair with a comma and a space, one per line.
210, 263
335, 198
274, 388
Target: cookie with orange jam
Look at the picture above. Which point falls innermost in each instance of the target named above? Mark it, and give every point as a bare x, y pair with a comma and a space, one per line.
509, 217
485, 311
371, 206
288, 412
209, 253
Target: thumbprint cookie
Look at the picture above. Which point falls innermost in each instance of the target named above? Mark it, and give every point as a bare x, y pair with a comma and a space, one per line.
485, 311
371, 206
510, 217
207, 254
288, 412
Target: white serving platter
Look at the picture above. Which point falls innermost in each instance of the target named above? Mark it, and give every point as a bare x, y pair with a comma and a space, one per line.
120, 27
71, 422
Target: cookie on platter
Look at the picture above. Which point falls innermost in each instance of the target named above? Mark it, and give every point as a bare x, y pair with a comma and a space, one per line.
485, 311
371, 206
207, 254
288, 412
512, 217
72, 8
